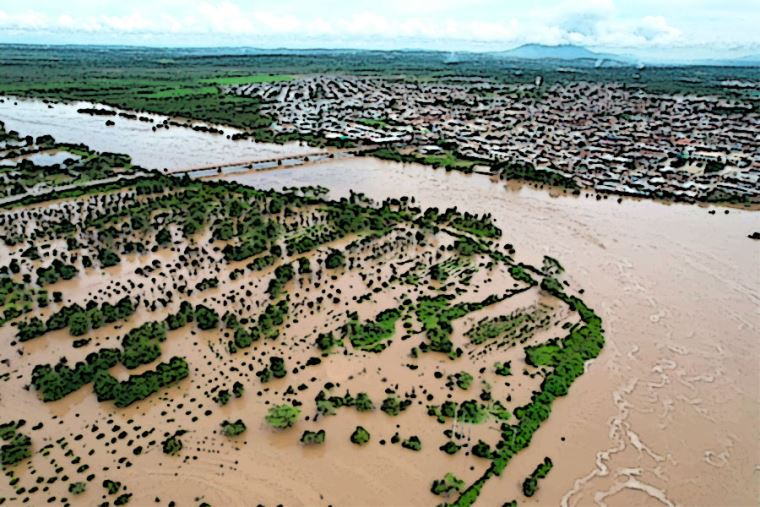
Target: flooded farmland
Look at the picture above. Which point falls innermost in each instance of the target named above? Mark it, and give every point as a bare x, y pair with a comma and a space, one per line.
664, 416
673, 397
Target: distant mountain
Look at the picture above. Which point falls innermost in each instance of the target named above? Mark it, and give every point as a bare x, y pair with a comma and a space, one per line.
561, 52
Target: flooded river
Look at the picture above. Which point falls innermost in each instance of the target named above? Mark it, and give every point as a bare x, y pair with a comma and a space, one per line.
172, 148
668, 414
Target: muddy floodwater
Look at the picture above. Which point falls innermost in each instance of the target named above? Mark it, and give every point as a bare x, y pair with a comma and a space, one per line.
170, 148
668, 414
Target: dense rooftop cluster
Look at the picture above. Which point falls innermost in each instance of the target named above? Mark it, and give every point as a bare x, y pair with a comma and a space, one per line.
604, 136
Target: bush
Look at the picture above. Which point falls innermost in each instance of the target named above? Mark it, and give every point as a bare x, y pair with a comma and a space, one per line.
450, 447
313, 437
413, 443
283, 416
139, 387
334, 259
206, 317
233, 429
360, 436
16, 450
173, 444
448, 484
77, 488
530, 484
108, 258
112, 487
393, 406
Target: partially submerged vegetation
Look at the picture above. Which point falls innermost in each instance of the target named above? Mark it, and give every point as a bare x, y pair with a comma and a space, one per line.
220, 303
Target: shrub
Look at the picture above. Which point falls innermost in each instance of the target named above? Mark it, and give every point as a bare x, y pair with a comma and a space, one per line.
413, 443
360, 436
313, 437
206, 317
334, 259
233, 429
77, 488
283, 416
448, 484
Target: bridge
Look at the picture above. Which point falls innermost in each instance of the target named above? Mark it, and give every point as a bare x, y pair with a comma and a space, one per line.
268, 163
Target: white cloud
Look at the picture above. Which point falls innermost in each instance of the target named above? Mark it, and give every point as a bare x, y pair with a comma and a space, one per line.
596, 23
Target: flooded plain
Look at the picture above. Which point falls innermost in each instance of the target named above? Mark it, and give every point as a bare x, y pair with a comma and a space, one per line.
162, 148
667, 415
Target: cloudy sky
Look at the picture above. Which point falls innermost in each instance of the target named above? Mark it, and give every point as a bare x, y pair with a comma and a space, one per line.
643, 27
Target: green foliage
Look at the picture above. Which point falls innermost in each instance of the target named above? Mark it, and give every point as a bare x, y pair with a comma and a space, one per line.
363, 403
112, 487
435, 313
503, 369
283, 416
335, 259
450, 483
56, 382
273, 317
482, 450
139, 387
360, 436
222, 397
122, 499
519, 273
206, 317
282, 275
304, 266
477, 225
392, 405
207, 283
450, 447
17, 447
163, 237
233, 429
526, 171
567, 357
329, 405
185, 315
172, 445
326, 342
77, 319
530, 484
469, 411
141, 344
275, 369
77, 488
463, 380
508, 329
108, 258
413, 443
372, 336
55, 272
313, 437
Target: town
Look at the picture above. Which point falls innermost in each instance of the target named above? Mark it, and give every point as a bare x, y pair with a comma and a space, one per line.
607, 137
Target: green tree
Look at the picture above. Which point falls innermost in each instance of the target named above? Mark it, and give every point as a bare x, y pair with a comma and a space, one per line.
313, 437
233, 429
79, 324
283, 416
206, 317
360, 436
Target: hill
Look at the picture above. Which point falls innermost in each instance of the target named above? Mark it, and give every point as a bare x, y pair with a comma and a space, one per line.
561, 52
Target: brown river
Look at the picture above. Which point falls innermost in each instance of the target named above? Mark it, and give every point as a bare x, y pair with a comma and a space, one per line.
669, 414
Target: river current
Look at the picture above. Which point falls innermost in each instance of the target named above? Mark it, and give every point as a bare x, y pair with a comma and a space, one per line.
668, 414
